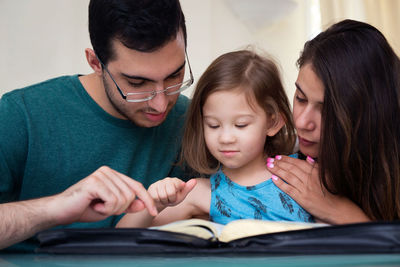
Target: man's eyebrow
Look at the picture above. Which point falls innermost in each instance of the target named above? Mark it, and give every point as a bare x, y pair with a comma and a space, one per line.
135, 77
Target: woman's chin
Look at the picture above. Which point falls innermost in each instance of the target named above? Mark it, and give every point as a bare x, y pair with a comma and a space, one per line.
308, 151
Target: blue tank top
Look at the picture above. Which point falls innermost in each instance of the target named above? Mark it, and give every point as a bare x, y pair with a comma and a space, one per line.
264, 201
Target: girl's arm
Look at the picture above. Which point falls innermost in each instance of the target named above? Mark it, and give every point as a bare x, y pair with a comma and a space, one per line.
175, 200
299, 179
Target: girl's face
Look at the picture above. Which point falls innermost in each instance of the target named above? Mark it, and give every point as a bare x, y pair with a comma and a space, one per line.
307, 106
234, 132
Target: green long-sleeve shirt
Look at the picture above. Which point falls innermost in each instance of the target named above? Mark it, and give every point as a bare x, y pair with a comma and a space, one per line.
53, 134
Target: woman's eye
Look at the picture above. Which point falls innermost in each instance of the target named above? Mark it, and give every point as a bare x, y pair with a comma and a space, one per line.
213, 126
300, 100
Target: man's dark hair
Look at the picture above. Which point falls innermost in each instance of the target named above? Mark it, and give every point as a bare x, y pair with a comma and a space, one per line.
143, 25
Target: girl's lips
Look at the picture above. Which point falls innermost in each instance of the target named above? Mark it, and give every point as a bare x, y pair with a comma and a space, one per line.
155, 117
306, 142
228, 153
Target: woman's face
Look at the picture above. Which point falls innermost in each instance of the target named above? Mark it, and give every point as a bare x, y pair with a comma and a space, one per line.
307, 107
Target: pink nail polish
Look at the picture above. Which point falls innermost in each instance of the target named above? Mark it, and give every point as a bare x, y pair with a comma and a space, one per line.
274, 177
270, 165
310, 159
278, 157
270, 160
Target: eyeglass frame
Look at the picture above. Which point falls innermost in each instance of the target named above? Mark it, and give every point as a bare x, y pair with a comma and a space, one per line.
154, 92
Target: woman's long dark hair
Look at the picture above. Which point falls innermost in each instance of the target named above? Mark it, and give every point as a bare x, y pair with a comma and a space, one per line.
359, 154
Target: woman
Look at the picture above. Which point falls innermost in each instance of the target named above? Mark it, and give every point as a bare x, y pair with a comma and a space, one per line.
347, 116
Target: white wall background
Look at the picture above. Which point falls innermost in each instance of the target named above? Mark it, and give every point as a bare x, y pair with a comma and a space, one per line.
41, 39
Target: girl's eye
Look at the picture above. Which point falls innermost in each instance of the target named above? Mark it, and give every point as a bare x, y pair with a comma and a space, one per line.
241, 125
213, 126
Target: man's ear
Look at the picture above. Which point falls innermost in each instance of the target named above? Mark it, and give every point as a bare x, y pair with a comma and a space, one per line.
277, 125
93, 61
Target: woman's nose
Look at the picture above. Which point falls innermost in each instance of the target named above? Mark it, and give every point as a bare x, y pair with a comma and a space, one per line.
306, 120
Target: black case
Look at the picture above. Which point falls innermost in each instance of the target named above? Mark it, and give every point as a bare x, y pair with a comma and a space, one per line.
359, 238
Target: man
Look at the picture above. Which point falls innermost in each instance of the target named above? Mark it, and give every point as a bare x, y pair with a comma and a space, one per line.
88, 136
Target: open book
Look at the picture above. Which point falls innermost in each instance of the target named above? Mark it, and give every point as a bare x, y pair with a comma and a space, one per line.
233, 230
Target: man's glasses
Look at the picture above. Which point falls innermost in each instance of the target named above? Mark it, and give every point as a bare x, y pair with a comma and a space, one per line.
147, 90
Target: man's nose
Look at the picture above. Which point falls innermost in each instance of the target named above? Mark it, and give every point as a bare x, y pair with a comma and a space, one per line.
160, 101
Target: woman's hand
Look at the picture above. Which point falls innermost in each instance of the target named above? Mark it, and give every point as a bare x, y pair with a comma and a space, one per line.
300, 180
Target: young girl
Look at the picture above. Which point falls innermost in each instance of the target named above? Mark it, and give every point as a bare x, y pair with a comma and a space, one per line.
239, 115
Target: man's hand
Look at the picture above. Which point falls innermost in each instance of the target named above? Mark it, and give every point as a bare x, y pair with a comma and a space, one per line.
103, 193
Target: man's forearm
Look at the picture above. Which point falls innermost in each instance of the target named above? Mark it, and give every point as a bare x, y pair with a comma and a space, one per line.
104, 193
21, 220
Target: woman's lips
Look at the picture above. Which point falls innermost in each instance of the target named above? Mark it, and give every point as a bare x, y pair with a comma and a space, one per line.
305, 142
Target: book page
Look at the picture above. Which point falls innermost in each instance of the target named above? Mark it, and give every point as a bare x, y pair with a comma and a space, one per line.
197, 227
248, 227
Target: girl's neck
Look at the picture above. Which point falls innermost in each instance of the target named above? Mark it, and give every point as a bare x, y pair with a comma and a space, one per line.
253, 173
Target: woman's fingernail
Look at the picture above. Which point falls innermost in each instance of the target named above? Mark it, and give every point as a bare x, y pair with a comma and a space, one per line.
274, 177
310, 159
270, 165
270, 160
278, 157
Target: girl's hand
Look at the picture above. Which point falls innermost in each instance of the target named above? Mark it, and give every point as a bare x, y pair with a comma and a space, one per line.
170, 191
300, 180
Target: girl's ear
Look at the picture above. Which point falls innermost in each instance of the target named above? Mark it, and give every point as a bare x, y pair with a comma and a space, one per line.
277, 125
93, 61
